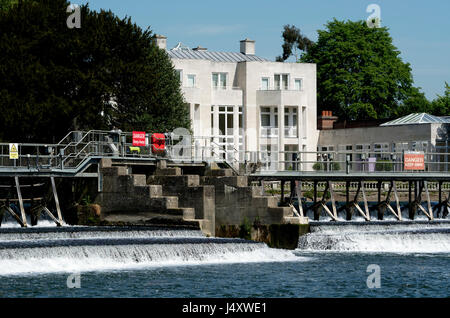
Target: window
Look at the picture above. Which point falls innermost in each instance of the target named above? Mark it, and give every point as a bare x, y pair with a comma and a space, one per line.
219, 80
298, 84
381, 151
179, 74
226, 122
191, 80
265, 83
281, 81
269, 121
285, 80
277, 82
290, 122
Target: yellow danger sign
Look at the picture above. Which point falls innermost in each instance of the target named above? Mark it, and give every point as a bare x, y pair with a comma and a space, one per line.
13, 151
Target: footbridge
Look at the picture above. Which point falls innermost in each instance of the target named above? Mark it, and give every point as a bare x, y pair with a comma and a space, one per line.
28, 174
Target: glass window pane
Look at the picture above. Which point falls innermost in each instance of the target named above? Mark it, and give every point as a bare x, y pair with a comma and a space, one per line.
298, 84
265, 109
230, 108
191, 80
277, 81
223, 80
222, 124
265, 84
215, 79
265, 120
286, 120
230, 124
285, 81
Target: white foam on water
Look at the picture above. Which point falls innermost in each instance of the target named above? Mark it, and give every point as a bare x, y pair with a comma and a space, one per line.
20, 261
41, 223
415, 238
33, 236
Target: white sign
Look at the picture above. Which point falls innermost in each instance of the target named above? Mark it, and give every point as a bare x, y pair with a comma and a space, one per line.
13, 151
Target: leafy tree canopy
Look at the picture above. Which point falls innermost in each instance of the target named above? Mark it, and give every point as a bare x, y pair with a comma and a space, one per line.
360, 74
441, 105
293, 40
54, 79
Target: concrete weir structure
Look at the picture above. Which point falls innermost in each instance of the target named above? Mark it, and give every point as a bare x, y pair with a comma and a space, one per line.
220, 203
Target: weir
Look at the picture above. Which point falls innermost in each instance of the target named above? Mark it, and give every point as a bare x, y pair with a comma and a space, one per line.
201, 183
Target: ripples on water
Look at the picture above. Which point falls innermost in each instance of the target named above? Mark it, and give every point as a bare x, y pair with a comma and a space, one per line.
331, 261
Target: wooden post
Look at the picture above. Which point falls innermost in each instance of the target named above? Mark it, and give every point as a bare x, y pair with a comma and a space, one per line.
55, 195
299, 197
430, 210
411, 207
439, 206
333, 202
397, 201
348, 208
380, 209
315, 205
19, 196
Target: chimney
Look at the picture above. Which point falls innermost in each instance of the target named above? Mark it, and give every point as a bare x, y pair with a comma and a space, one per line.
199, 48
161, 41
326, 121
248, 47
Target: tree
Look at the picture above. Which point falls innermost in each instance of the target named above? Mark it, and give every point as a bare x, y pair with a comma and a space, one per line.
360, 74
6, 4
54, 79
441, 105
293, 40
416, 102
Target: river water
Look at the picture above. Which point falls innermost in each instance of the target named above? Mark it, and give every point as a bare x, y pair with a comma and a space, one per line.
413, 259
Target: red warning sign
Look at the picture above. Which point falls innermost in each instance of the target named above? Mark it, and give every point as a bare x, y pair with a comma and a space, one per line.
138, 138
414, 160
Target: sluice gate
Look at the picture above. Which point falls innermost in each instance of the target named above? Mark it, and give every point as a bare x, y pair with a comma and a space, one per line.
361, 194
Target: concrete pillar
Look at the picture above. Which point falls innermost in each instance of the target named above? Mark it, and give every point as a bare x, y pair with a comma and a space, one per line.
236, 129
281, 155
216, 126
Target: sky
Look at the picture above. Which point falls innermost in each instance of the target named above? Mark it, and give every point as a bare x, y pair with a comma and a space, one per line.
420, 28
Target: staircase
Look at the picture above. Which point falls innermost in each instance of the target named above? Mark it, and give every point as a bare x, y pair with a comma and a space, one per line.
127, 198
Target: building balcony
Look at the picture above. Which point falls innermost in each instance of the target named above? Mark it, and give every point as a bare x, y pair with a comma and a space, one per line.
280, 97
269, 132
192, 95
290, 132
227, 96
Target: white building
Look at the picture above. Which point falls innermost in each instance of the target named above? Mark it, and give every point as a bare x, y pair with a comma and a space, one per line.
247, 103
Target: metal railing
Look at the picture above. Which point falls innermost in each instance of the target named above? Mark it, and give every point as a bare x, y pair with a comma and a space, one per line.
78, 146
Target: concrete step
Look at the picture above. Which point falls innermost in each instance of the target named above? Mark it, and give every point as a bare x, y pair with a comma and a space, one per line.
139, 180
188, 213
280, 212
175, 181
221, 172
265, 202
162, 204
175, 171
295, 220
149, 191
114, 171
220, 182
